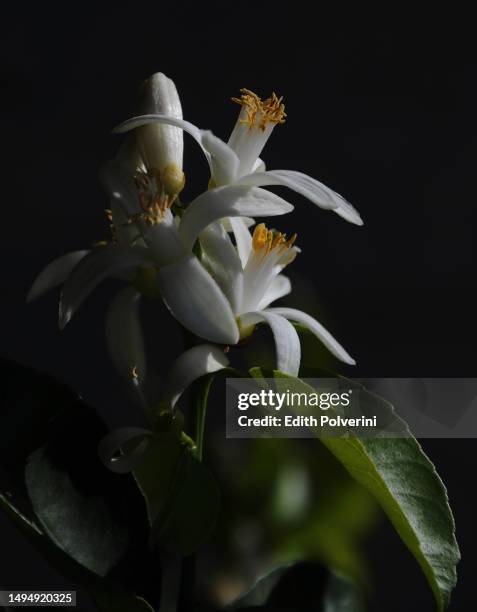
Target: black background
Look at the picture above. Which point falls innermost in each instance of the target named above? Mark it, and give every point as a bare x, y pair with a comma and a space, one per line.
381, 107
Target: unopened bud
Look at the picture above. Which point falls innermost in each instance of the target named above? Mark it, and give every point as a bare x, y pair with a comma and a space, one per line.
161, 146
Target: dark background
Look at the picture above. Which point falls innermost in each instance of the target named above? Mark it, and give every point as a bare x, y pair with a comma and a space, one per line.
381, 107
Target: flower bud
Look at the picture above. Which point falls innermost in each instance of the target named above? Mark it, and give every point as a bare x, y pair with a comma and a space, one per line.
161, 146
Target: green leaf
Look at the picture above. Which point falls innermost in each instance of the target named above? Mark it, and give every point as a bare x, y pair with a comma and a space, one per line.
156, 474
88, 523
342, 596
301, 587
403, 480
181, 495
95, 516
297, 587
107, 597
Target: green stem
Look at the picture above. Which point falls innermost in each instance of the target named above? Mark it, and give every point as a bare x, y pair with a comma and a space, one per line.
200, 414
187, 581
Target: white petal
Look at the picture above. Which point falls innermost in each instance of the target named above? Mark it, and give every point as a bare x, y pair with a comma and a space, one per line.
243, 238
127, 233
196, 301
111, 445
224, 161
55, 274
279, 287
259, 274
248, 142
228, 227
310, 188
349, 213
190, 366
163, 240
229, 201
220, 257
317, 329
128, 155
135, 122
118, 182
190, 128
287, 342
259, 166
124, 335
99, 264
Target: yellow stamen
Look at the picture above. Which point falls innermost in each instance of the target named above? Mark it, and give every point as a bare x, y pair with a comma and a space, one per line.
261, 112
153, 198
265, 240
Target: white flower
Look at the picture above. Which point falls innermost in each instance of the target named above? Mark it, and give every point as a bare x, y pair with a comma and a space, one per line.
238, 160
250, 276
222, 295
150, 248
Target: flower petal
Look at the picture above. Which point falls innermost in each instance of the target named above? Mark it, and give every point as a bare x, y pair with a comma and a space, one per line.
248, 221
243, 238
125, 232
140, 120
97, 265
110, 447
118, 182
189, 128
229, 201
193, 364
317, 329
259, 166
195, 300
279, 287
287, 342
124, 336
55, 273
163, 240
310, 188
221, 259
224, 161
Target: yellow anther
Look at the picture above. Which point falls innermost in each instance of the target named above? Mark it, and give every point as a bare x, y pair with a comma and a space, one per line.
261, 112
265, 240
154, 198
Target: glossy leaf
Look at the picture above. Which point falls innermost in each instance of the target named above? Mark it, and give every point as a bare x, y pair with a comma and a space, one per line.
95, 516
301, 587
181, 495
90, 524
403, 480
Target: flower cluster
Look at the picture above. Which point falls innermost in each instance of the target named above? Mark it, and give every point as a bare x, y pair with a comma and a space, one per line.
216, 275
